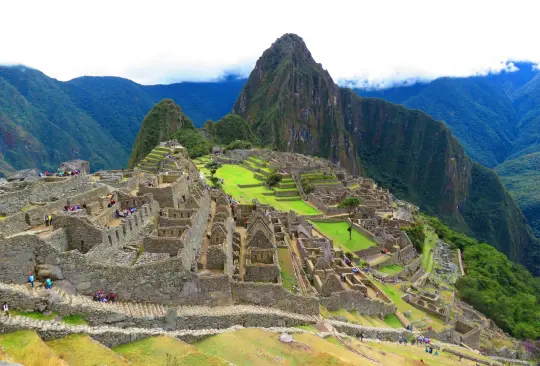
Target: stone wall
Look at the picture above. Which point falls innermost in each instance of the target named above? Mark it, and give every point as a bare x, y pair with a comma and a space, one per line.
156, 244
42, 191
356, 300
384, 334
273, 295
169, 196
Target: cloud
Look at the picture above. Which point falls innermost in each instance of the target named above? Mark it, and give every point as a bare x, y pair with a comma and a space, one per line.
376, 43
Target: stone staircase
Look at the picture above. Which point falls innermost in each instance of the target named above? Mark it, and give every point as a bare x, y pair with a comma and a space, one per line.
125, 314
151, 162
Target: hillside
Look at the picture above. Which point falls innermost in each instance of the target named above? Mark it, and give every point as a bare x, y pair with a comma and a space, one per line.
293, 104
521, 176
495, 118
164, 118
44, 121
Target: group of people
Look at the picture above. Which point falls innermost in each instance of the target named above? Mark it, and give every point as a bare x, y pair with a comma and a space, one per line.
101, 296
47, 284
125, 213
75, 207
47, 173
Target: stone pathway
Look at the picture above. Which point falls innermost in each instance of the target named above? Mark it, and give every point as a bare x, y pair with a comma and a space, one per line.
206, 239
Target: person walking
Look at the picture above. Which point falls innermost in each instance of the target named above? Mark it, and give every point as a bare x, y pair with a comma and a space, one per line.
48, 283
5, 309
31, 279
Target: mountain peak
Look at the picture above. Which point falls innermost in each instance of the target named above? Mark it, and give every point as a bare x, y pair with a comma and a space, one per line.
287, 47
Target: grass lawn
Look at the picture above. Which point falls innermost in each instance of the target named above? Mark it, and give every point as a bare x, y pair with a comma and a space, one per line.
393, 321
287, 272
27, 348
337, 231
164, 350
393, 292
429, 243
391, 269
81, 350
257, 347
233, 175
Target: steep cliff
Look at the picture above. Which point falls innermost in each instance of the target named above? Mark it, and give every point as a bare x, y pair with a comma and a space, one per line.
293, 104
164, 119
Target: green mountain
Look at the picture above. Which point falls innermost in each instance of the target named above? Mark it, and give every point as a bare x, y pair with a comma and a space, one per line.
44, 121
163, 120
293, 104
496, 118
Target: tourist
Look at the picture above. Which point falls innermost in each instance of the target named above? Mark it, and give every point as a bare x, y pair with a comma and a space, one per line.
48, 283
46, 218
343, 277
5, 309
430, 349
377, 294
436, 353
116, 213
31, 279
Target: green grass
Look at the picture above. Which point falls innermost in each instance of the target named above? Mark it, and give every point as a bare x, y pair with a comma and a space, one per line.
393, 292
81, 350
429, 243
257, 347
34, 315
393, 321
337, 231
74, 320
391, 269
27, 348
287, 272
307, 327
236, 174
164, 350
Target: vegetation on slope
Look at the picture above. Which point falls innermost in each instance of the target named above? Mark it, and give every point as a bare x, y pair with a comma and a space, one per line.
164, 119
504, 291
495, 118
521, 176
227, 130
81, 350
27, 348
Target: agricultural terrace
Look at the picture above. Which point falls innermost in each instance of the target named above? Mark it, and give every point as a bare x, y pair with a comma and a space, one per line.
429, 245
338, 233
233, 175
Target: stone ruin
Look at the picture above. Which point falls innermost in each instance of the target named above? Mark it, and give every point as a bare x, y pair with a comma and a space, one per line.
261, 262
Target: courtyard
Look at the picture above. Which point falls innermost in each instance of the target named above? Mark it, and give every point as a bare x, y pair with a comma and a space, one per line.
338, 233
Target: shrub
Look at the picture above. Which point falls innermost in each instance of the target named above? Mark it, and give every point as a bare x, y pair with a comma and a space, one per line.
273, 179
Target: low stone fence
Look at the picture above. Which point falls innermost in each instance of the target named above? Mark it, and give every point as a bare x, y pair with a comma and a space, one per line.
384, 334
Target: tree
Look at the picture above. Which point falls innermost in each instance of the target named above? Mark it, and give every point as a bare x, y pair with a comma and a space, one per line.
213, 167
417, 236
351, 204
273, 179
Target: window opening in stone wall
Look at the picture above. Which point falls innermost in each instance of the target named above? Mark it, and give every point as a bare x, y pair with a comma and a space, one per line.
110, 240
117, 236
136, 221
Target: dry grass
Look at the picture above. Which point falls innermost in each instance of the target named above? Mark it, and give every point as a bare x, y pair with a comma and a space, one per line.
81, 350
164, 350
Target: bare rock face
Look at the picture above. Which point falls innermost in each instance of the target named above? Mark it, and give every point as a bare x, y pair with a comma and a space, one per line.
49, 270
24, 175
81, 165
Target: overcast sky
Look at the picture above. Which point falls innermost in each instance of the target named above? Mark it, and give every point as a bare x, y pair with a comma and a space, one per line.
166, 41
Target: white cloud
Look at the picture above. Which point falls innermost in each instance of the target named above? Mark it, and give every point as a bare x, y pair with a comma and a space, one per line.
382, 42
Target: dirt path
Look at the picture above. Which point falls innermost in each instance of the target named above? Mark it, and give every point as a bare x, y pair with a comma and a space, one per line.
243, 250
206, 239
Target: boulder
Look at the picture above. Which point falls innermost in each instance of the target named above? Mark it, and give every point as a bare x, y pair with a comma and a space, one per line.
65, 286
286, 338
24, 175
81, 165
48, 270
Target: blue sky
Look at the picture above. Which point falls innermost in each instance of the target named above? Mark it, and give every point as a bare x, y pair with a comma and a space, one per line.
378, 42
